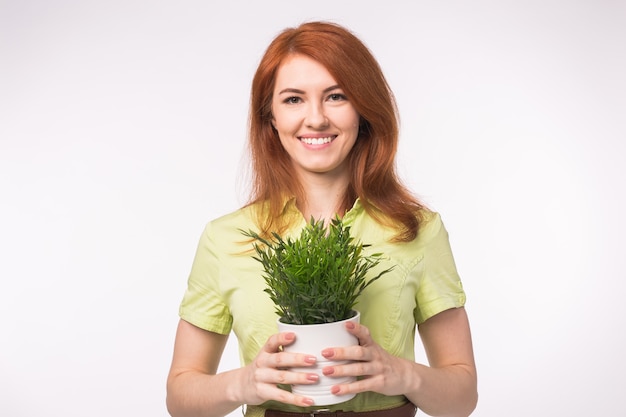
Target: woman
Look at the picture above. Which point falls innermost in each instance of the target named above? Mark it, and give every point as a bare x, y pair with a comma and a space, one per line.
323, 139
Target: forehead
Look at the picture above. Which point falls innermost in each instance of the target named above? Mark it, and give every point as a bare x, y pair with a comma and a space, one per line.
300, 71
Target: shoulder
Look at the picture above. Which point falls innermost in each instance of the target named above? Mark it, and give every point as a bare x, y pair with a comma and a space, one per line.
430, 222
432, 230
373, 219
229, 228
242, 217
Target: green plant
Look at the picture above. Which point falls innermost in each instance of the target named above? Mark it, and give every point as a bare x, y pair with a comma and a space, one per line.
317, 277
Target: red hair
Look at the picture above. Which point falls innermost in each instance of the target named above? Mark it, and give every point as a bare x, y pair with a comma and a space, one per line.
372, 160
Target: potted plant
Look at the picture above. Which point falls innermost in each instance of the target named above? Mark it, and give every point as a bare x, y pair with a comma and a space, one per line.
314, 281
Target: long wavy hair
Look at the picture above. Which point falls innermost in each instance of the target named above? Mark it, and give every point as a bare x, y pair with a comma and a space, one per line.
374, 179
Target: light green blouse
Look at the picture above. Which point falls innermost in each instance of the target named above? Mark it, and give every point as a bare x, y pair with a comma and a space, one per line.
225, 289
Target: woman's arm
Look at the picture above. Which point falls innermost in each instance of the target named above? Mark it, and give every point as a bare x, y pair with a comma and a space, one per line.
194, 388
449, 386
191, 382
445, 388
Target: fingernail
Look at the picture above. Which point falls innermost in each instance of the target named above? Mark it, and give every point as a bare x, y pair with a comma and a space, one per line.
328, 353
350, 325
328, 370
313, 377
335, 390
289, 336
308, 401
310, 359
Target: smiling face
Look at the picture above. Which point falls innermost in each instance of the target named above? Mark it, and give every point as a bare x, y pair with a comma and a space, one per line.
316, 123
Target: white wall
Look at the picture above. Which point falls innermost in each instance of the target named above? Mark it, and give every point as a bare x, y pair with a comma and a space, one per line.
122, 126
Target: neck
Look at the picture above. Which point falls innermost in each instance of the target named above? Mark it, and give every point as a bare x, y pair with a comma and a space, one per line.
324, 198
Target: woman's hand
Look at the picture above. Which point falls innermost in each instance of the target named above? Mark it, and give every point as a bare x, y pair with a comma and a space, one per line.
195, 388
379, 371
271, 367
446, 386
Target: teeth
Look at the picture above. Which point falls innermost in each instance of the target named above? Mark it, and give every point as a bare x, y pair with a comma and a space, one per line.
316, 141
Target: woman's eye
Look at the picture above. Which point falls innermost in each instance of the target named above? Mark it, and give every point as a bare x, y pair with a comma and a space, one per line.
292, 100
337, 97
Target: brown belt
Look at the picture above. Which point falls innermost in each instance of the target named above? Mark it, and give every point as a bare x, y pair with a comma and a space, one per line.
406, 410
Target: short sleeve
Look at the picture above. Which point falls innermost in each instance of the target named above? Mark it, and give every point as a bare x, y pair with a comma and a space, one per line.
203, 304
440, 286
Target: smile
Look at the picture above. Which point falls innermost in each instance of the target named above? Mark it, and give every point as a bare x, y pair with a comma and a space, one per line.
317, 141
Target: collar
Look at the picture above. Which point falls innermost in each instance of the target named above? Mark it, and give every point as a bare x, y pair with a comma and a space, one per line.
291, 209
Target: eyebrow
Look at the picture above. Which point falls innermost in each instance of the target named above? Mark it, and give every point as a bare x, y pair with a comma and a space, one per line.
297, 91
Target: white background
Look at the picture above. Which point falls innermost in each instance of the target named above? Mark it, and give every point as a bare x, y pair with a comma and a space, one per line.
122, 126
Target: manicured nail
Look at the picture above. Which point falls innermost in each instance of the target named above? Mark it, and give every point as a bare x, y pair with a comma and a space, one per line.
335, 390
310, 359
308, 401
329, 370
350, 325
328, 353
313, 377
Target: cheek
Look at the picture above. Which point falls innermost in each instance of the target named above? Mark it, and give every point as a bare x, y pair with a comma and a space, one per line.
355, 119
357, 124
282, 122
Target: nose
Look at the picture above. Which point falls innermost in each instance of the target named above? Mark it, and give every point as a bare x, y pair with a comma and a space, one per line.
316, 117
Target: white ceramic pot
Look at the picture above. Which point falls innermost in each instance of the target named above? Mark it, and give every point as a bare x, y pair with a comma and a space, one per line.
311, 339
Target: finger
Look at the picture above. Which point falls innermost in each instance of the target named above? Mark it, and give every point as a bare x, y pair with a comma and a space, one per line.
272, 392
360, 331
361, 385
283, 360
277, 340
277, 376
348, 353
355, 369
